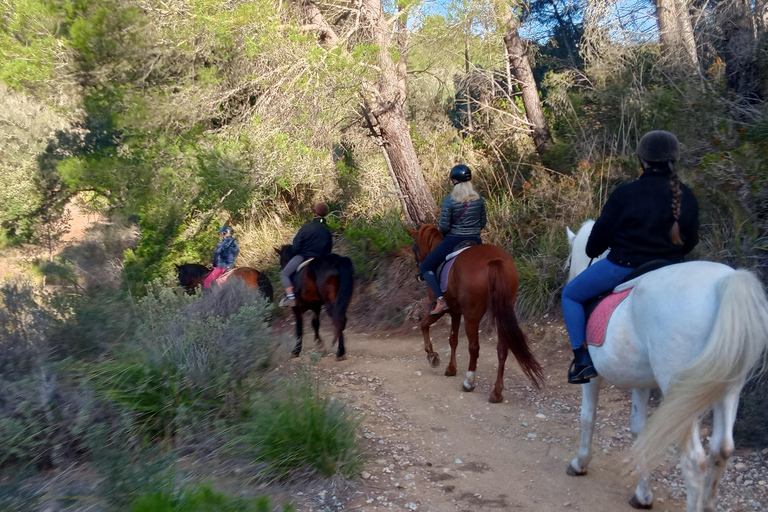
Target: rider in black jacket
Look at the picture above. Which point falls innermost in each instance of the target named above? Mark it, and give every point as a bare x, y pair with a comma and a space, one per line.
654, 217
312, 240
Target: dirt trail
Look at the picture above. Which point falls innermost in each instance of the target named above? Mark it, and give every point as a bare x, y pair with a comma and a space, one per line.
435, 448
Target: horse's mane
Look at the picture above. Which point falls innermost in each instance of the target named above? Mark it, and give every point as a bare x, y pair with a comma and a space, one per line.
193, 270
428, 237
579, 260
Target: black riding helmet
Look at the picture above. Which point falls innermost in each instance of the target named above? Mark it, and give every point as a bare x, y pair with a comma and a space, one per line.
658, 146
461, 173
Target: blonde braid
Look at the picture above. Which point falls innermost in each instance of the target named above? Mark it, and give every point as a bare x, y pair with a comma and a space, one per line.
674, 183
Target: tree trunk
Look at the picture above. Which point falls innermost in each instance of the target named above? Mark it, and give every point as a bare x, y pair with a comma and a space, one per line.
518, 56
676, 30
741, 70
387, 106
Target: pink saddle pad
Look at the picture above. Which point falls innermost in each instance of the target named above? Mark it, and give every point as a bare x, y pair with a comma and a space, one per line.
598, 320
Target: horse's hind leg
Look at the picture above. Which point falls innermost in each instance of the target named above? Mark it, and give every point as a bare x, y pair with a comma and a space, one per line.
720, 445
340, 324
694, 463
643, 497
453, 340
471, 326
497, 394
316, 326
589, 394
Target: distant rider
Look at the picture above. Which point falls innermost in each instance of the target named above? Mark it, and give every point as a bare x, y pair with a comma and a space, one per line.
654, 217
462, 217
312, 240
224, 256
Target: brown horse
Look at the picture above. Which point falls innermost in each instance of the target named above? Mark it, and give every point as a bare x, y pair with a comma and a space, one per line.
483, 278
325, 280
192, 275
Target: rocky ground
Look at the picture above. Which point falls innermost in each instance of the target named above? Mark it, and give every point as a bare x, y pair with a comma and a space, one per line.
432, 447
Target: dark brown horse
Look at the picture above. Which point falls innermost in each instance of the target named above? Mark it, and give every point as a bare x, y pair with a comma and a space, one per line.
483, 278
325, 280
192, 275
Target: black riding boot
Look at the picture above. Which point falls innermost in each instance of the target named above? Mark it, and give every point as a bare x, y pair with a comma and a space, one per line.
581, 369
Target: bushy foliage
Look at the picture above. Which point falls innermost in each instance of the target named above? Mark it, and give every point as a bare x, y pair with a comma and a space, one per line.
297, 429
201, 499
189, 359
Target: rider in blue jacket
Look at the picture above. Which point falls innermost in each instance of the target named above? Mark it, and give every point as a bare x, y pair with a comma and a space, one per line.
654, 217
224, 256
462, 218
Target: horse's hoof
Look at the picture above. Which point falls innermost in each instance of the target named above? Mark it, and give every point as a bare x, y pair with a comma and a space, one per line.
319, 341
450, 372
433, 359
572, 471
635, 503
495, 399
466, 388
341, 358
294, 355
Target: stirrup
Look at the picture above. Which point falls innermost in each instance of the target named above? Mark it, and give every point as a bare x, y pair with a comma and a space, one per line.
583, 377
433, 312
288, 302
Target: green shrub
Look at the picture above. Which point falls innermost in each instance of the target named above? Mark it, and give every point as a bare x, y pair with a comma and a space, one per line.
202, 499
189, 361
297, 430
368, 242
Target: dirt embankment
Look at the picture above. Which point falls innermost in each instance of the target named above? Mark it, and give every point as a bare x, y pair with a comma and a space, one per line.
432, 447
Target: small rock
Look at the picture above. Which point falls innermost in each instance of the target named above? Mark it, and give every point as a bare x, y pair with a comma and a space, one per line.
567, 504
740, 467
458, 461
418, 372
541, 416
411, 505
531, 436
366, 475
409, 476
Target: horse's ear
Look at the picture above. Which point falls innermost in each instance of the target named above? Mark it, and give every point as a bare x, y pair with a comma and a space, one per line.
413, 232
571, 235
277, 251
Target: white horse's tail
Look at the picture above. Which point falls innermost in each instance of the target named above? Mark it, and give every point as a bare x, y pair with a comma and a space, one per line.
738, 340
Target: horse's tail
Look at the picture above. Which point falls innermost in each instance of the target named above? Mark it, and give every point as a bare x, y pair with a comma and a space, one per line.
501, 307
265, 286
738, 339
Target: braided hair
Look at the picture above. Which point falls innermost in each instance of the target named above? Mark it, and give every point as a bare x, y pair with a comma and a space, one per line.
674, 183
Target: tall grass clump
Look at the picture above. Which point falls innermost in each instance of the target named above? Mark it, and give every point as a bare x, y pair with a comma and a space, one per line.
368, 242
297, 430
189, 361
202, 499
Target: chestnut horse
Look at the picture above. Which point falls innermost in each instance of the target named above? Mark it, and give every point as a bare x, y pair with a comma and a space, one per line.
192, 275
483, 278
325, 280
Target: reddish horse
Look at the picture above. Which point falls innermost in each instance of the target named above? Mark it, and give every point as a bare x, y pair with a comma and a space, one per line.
483, 278
192, 275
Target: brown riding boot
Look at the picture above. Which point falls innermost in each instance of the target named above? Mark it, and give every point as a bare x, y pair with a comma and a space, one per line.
440, 307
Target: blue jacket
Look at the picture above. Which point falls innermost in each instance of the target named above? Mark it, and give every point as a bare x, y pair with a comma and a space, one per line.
226, 252
469, 223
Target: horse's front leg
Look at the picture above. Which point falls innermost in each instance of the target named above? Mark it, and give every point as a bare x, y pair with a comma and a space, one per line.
471, 326
643, 498
589, 394
453, 341
426, 323
299, 332
720, 445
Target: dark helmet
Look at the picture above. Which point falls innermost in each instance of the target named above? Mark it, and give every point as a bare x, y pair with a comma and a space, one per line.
659, 146
226, 230
461, 173
321, 209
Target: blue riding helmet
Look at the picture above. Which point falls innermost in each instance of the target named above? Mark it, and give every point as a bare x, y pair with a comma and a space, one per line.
225, 229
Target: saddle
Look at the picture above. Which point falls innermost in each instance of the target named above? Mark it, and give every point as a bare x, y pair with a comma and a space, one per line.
445, 267
304, 264
599, 310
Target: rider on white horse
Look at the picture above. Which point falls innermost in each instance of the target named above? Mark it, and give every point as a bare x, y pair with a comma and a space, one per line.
652, 218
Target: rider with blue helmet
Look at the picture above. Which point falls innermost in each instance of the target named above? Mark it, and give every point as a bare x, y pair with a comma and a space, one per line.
224, 256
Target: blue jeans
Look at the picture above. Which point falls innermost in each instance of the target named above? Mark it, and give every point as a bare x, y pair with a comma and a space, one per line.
437, 256
599, 278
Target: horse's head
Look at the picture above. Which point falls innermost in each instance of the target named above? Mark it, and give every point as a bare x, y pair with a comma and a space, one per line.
579, 261
191, 274
425, 239
284, 253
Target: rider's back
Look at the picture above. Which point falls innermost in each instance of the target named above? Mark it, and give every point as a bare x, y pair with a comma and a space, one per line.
636, 220
313, 240
462, 219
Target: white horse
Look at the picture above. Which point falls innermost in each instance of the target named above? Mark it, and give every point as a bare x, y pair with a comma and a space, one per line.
696, 330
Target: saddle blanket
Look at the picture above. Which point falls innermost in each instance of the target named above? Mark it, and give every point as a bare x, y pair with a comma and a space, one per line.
447, 267
598, 320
